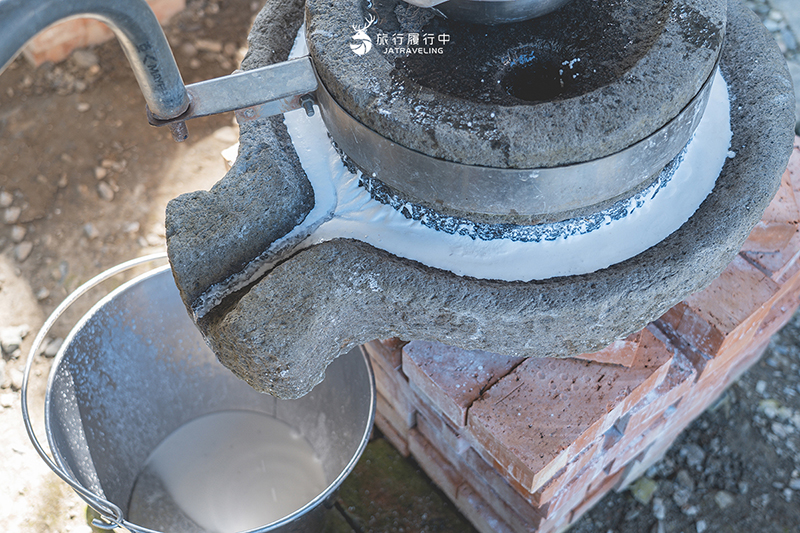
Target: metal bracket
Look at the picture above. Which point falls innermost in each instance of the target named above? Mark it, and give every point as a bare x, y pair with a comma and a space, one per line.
252, 94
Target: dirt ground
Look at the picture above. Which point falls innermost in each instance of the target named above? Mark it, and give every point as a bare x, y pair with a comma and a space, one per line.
91, 179
84, 182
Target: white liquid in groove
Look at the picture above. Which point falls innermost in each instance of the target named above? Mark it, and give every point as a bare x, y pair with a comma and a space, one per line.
350, 212
232, 471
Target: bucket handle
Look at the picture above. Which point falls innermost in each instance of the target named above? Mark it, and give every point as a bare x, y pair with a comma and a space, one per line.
111, 516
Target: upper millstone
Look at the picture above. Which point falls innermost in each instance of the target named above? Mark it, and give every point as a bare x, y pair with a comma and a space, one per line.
608, 75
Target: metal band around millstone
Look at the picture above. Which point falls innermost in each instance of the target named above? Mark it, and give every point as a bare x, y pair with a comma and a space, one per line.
496, 11
505, 191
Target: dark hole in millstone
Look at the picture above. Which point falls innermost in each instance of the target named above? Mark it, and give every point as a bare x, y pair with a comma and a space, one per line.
537, 74
583, 46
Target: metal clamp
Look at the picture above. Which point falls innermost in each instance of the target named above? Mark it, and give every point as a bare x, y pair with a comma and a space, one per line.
111, 515
252, 94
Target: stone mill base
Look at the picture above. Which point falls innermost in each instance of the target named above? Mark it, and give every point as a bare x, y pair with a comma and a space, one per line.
531, 444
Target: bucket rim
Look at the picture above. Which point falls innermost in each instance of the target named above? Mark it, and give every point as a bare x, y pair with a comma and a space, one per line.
121, 520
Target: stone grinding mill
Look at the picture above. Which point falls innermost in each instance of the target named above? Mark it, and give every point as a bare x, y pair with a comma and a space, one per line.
527, 187
461, 201
536, 188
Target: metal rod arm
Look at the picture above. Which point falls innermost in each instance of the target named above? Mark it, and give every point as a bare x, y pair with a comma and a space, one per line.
134, 24
257, 93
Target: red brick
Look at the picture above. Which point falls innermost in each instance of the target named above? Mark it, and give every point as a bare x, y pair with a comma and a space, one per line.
789, 256
650, 454
387, 353
499, 484
438, 439
781, 311
573, 494
769, 237
395, 390
654, 359
516, 512
630, 448
588, 460
778, 224
479, 513
718, 374
733, 363
96, 32
621, 352
633, 421
678, 382
165, 9
631, 471
56, 43
791, 265
557, 524
629, 451
611, 438
787, 285
434, 464
452, 378
794, 166
600, 479
723, 319
447, 433
395, 439
576, 466
745, 361
399, 424
672, 318
599, 489
726, 315
480, 460
538, 417
782, 263
707, 389
652, 364
505, 501
624, 451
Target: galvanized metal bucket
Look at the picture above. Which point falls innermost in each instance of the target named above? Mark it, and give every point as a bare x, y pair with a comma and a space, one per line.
135, 369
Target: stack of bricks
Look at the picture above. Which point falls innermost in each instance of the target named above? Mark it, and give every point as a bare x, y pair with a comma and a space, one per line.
531, 444
56, 43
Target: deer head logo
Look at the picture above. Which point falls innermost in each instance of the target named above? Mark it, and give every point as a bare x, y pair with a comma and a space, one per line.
363, 42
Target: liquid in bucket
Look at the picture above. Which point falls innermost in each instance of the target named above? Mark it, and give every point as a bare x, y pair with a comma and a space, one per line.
226, 472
